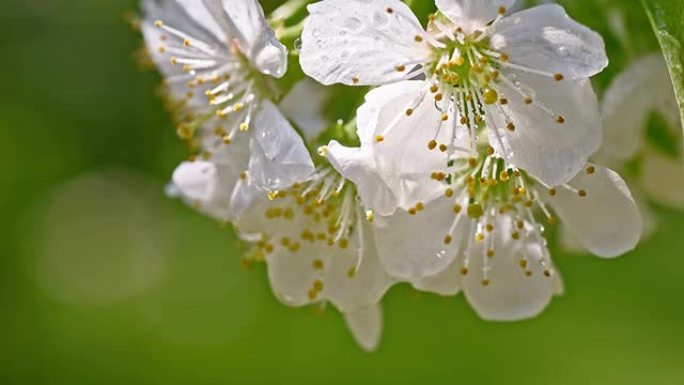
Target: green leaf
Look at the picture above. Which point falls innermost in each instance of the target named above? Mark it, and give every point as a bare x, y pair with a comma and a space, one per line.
667, 18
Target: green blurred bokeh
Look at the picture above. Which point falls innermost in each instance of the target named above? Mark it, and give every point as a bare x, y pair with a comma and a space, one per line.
105, 281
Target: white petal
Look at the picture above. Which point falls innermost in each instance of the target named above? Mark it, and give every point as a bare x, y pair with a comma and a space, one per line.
546, 38
292, 274
245, 22
641, 89
175, 14
304, 106
361, 42
569, 242
552, 152
412, 247
510, 295
366, 326
201, 15
403, 158
472, 15
358, 166
354, 277
448, 282
206, 186
279, 157
663, 179
376, 99
606, 221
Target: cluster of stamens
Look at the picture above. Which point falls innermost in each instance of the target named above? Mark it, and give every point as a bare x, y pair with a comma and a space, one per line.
322, 211
486, 190
217, 80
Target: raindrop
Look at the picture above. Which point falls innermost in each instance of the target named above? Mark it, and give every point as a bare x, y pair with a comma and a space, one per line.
380, 19
352, 23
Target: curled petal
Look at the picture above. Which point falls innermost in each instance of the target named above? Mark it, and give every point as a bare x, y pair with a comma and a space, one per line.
357, 165
279, 157
244, 21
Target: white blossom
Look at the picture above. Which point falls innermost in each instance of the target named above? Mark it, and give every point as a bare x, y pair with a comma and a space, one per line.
219, 61
523, 77
482, 229
319, 247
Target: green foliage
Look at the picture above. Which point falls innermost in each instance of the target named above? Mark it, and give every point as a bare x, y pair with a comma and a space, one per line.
667, 18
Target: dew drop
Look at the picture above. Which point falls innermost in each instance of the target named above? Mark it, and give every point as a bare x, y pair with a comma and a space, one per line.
380, 19
352, 23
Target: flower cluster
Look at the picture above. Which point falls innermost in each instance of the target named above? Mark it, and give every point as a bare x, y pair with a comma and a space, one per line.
482, 132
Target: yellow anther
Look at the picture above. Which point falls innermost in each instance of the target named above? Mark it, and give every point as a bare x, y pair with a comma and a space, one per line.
447, 239
510, 126
591, 170
400, 68
475, 210
443, 147
355, 80
449, 192
528, 100
370, 216
490, 253
379, 138
464, 271
558, 77
560, 119
472, 162
582, 193
479, 237
318, 285
244, 127
515, 235
409, 111
432, 145
312, 295
158, 23
503, 101
490, 96
552, 192
485, 282
344, 243
457, 208
418, 39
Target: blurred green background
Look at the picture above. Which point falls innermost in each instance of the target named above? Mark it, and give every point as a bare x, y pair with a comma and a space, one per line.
103, 280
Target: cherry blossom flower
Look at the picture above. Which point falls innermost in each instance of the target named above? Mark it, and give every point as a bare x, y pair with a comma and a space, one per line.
521, 78
482, 230
218, 64
319, 247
